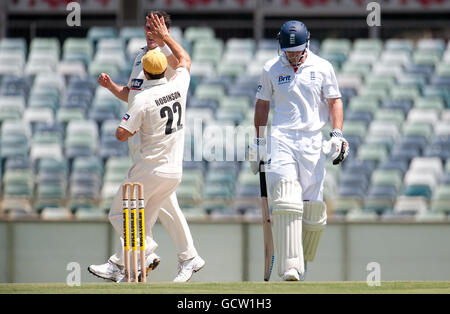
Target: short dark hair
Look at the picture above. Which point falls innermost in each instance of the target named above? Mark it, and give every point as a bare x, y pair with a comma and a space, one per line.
160, 13
156, 76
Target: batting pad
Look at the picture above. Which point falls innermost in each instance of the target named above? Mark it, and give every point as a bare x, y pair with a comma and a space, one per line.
287, 197
287, 225
287, 229
314, 221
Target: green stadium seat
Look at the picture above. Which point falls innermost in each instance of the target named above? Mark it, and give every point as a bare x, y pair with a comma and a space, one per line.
368, 45
363, 57
378, 204
195, 33
96, 33
10, 112
396, 57
418, 81
405, 92
421, 129
14, 44
358, 215
394, 116
417, 190
81, 45
204, 91
442, 69
442, 192
428, 44
430, 217
230, 69
440, 206
95, 68
74, 56
243, 57
356, 68
343, 205
372, 152
379, 93
399, 45
364, 103
90, 164
383, 81
387, 177
47, 138
337, 59
128, 32
357, 128
208, 51
65, 115
340, 45
45, 44
438, 91
433, 103
426, 58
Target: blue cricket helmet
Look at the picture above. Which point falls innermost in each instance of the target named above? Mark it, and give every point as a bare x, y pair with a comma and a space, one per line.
293, 36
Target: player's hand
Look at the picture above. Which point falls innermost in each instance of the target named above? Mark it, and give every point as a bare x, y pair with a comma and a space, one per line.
336, 148
104, 80
157, 29
256, 153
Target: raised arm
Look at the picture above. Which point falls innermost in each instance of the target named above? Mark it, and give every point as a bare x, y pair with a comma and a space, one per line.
159, 30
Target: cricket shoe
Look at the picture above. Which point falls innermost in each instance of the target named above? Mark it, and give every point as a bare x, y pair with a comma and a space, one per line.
108, 271
291, 275
187, 268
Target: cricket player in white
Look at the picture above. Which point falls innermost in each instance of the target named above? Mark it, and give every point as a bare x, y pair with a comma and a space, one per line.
302, 89
156, 112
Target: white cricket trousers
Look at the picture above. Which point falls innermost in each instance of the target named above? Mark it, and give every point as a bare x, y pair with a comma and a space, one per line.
158, 190
297, 155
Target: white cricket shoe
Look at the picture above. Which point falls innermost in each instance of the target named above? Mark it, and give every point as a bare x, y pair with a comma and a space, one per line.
187, 268
109, 271
291, 275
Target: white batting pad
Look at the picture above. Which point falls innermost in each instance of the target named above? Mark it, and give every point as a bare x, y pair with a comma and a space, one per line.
314, 221
287, 229
287, 196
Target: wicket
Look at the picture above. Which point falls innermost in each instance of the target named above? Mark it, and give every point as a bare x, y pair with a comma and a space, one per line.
129, 219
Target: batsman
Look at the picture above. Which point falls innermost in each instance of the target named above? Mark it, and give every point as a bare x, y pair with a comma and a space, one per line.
302, 90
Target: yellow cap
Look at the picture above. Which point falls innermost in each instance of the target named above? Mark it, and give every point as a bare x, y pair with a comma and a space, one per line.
154, 62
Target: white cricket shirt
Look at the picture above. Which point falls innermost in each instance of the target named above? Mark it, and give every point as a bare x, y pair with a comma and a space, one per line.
137, 73
158, 112
135, 82
298, 98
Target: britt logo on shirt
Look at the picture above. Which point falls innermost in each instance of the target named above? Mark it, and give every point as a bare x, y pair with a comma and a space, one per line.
283, 79
136, 84
126, 117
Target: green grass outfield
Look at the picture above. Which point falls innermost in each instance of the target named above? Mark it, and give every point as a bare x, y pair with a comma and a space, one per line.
348, 287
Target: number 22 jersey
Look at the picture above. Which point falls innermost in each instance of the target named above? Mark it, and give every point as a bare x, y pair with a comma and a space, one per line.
158, 113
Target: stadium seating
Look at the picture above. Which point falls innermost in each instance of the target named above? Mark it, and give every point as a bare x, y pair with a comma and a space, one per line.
60, 156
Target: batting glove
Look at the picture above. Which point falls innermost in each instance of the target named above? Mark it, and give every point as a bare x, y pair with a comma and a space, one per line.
337, 147
257, 153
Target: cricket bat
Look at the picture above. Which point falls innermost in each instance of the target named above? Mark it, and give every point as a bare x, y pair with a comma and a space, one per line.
267, 225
